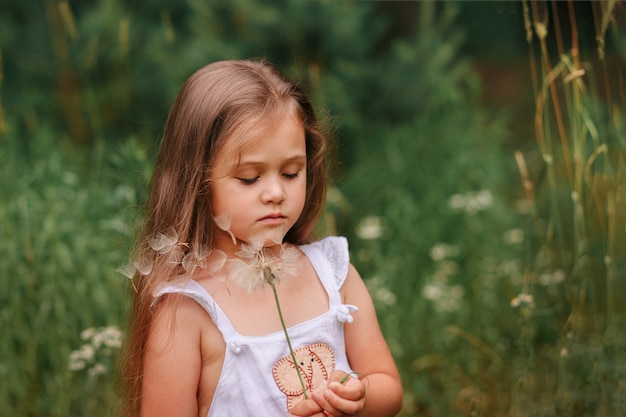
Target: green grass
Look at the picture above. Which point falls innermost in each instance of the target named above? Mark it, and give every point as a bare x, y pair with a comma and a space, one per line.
62, 235
498, 274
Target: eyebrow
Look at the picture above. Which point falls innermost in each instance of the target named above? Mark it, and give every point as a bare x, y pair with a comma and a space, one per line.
291, 159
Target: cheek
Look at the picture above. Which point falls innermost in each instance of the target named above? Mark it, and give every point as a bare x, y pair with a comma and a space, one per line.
301, 196
219, 200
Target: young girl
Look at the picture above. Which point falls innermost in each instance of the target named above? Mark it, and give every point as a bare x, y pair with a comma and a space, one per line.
236, 313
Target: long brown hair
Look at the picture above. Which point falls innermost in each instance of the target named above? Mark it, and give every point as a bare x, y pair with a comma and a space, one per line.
218, 101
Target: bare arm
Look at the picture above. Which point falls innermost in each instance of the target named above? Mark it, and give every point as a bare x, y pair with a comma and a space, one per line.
378, 391
172, 360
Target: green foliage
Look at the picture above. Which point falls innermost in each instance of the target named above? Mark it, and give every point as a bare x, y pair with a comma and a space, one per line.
62, 235
494, 302
432, 174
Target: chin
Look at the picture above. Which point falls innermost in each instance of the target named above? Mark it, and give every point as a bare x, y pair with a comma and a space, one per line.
274, 237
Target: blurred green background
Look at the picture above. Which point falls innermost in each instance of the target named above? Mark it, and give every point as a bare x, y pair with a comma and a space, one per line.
480, 179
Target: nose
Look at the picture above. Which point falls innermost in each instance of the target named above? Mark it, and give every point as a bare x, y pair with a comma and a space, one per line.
273, 192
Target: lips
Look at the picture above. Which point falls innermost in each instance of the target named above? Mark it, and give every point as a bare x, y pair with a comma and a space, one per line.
273, 218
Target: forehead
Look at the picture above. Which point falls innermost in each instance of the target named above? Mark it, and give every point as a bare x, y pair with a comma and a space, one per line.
278, 130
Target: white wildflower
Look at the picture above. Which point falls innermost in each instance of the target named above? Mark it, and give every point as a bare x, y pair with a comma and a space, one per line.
97, 350
97, 369
370, 228
513, 236
523, 299
552, 277
441, 251
471, 202
380, 293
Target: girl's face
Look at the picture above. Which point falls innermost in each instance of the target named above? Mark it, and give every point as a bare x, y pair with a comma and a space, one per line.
263, 192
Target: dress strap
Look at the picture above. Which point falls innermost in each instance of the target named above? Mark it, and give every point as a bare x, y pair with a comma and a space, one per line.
330, 259
194, 290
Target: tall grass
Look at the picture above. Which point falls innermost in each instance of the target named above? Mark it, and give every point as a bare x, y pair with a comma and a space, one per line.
578, 221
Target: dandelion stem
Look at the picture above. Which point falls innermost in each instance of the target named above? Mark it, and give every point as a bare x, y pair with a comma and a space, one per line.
282, 322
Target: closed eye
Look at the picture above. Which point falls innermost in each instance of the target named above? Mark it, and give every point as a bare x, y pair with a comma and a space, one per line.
291, 175
248, 181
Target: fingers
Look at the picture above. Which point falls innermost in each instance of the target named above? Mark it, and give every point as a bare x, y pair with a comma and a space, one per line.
306, 408
342, 399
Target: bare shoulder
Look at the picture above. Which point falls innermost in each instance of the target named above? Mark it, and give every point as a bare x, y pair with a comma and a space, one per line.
174, 357
354, 291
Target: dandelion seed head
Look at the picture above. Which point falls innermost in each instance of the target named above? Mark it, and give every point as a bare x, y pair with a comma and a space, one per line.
256, 264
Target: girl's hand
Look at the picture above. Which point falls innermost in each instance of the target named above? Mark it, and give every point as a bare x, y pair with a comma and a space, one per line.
344, 397
307, 408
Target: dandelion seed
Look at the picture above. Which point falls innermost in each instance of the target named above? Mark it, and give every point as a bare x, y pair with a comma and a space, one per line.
163, 243
144, 265
223, 222
175, 255
217, 259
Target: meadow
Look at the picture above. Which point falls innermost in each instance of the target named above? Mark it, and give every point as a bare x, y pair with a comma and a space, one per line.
496, 255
